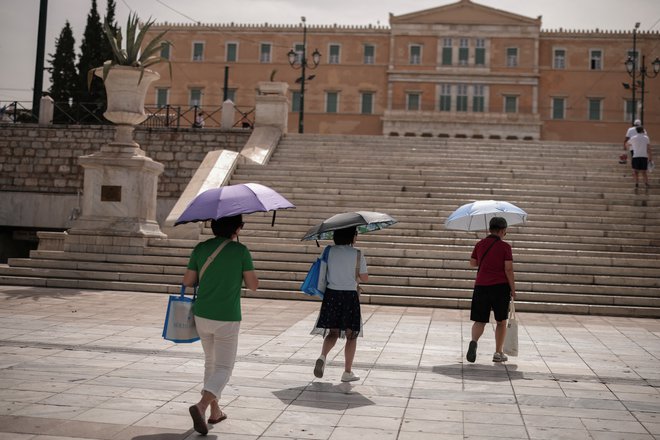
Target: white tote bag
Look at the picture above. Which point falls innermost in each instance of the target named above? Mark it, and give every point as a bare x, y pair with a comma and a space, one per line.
179, 320
511, 339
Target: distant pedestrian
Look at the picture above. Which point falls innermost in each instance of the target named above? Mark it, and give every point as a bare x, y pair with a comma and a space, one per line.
632, 131
220, 266
493, 288
640, 145
199, 120
340, 314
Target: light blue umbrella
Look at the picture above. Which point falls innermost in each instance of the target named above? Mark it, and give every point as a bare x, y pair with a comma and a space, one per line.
476, 215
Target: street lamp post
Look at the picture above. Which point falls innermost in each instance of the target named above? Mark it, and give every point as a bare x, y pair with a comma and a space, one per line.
300, 62
631, 67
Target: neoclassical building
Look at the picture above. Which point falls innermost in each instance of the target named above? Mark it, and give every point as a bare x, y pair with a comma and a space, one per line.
460, 70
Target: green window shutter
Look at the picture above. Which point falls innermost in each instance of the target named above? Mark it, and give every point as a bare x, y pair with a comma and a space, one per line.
369, 54
165, 51
478, 104
480, 56
161, 97
462, 56
331, 102
367, 103
231, 52
198, 51
594, 109
558, 108
295, 102
446, 56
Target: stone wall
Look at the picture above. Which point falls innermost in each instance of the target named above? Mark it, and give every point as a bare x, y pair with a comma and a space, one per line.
41, 159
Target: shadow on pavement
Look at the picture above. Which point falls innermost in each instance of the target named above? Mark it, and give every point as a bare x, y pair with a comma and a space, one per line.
323, 395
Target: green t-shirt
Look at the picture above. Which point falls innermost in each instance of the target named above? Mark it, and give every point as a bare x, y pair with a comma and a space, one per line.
219, 292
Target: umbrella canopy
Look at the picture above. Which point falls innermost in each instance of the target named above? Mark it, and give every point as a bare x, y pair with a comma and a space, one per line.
230, 200
366, 221
476, 215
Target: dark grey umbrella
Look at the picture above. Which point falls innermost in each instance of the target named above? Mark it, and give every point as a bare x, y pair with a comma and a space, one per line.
366, 221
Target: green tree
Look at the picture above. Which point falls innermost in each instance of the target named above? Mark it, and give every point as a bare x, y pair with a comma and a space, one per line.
91, 56
112, 22
63, 77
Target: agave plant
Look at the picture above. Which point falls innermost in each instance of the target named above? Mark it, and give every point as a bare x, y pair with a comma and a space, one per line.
134, 54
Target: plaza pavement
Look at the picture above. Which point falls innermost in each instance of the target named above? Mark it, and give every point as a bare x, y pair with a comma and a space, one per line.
79, 364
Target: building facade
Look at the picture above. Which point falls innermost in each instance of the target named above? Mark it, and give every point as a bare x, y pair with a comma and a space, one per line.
460, 70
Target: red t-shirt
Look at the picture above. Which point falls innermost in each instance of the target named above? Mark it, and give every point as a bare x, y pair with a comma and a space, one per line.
492, 266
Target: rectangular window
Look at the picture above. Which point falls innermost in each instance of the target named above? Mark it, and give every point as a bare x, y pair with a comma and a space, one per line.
463, 52
295, 102
232, 52
367, 103
478, 98
231, 94
461, 98
510, 104
511, 56
331, 102
559, 59
596, 59
369, 54
198, 51
415, 54
628, 110
480, 52
195, 98
558, 108
447, 52
298, 49
634, 55
162, 97
413, 101
334, 54
264, 53
165, 50
595, 109
445, 97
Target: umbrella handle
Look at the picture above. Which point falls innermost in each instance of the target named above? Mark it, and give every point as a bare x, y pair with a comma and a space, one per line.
272, 223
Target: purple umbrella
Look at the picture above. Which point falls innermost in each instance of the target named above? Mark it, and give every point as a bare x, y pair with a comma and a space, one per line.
230, 200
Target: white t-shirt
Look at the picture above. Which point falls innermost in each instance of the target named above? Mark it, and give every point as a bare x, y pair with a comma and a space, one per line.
639, 144
632, 131
341, 267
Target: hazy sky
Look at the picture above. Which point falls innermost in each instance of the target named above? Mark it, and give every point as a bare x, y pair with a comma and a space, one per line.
19, 20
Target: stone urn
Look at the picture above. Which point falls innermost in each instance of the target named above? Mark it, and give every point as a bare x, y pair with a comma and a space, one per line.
126, 92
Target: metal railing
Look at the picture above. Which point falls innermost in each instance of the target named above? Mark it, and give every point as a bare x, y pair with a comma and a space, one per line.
168, 116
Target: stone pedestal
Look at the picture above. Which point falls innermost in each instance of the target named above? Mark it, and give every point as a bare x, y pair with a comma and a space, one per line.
121, 182
272, 106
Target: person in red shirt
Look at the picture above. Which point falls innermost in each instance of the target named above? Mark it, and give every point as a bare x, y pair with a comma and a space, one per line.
493, 288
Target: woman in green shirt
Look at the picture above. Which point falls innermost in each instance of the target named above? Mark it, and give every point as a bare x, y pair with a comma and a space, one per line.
217, 309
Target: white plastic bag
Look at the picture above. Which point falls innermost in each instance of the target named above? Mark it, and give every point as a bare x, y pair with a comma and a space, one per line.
511, 338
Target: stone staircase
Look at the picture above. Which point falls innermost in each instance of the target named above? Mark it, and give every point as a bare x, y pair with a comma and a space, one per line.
591, 244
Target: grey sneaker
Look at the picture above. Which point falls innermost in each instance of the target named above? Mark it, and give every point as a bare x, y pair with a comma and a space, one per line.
349, 376
500, 357
320, 365
472, 352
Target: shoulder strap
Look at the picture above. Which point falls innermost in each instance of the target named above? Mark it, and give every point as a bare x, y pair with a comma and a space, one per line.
211, 257
484, 255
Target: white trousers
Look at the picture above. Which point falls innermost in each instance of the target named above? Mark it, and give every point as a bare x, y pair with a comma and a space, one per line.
220, 343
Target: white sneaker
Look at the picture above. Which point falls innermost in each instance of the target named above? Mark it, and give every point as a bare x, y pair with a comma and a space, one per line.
319, 367
349, 376
500, 357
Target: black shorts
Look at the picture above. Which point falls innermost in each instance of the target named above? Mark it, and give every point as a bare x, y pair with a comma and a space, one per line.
640, 163
487, 298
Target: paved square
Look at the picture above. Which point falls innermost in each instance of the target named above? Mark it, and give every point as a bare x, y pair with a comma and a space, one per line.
77, 364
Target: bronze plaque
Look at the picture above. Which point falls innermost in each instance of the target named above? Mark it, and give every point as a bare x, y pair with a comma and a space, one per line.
110, 193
